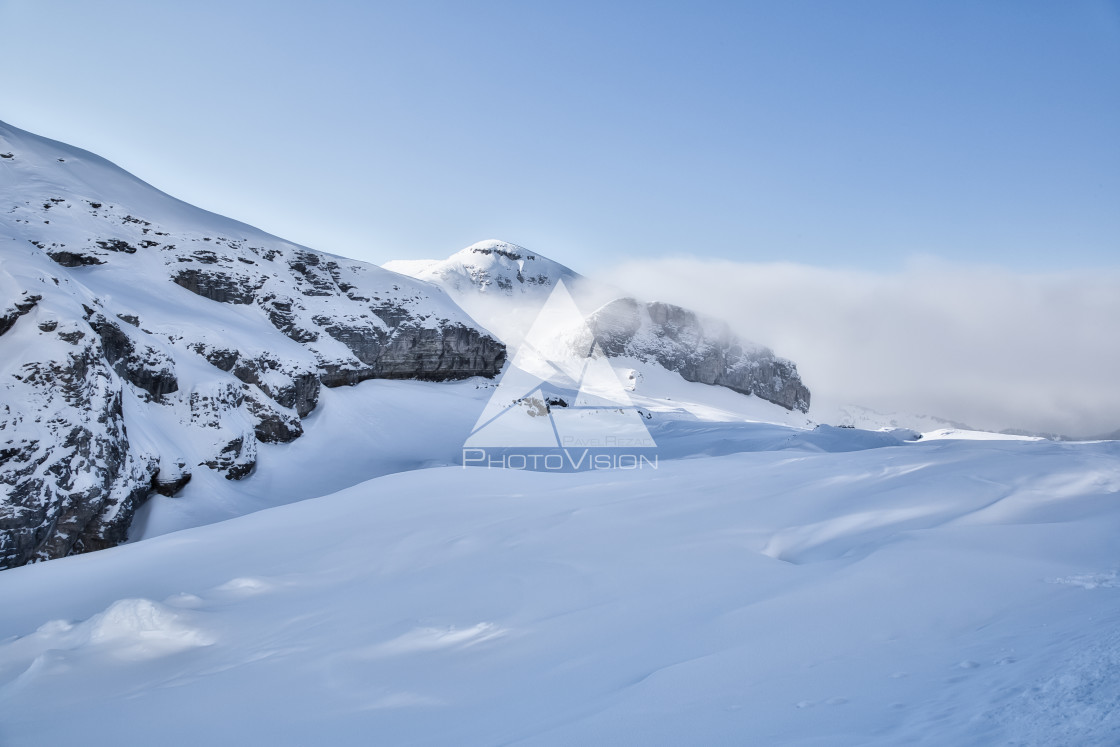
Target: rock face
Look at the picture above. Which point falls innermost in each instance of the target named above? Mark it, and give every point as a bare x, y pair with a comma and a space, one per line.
71, 481
502, 285
699, 350
143, 339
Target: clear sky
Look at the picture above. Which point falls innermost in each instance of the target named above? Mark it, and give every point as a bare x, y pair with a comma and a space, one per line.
844, 134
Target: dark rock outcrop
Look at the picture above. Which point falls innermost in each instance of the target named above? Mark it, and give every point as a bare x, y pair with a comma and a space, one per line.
145, 368
285, 319
68, 258
17, 309
454, 352
699, 350
77, 489
214, 285
171, 478
236, 459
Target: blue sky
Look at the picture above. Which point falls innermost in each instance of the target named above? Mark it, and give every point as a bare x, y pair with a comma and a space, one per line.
845, 135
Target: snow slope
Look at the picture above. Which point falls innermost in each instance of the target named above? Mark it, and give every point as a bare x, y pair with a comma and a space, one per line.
381, 427
505, 286
771, 581
491, 267
149, 344
839, 591
502, 285
144, 341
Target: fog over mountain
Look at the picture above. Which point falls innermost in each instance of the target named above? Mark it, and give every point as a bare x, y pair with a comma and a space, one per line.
982, 345
300, 475
551, 374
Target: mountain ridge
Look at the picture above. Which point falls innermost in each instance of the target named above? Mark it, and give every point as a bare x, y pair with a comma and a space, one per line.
146, 339
486, 276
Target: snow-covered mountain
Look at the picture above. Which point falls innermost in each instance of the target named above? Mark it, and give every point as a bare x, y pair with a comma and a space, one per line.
148, 343
144, 339
500, 284
699, 350
491, 267
503, 284
766, 580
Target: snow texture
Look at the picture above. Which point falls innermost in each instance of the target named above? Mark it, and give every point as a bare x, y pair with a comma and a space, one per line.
765, 585
145, 340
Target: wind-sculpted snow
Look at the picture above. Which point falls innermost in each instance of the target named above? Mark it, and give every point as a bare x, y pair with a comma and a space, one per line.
842, 588
143, 339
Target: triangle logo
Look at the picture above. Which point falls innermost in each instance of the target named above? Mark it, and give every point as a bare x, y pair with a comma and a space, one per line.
560, 391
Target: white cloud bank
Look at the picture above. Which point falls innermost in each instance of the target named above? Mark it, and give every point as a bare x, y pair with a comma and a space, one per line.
986, 346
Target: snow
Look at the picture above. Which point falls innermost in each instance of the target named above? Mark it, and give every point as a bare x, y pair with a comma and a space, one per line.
491, 267
502, 285
356, 433
971, 435
58, 198
847, 590
381, 427
408, 266
773, 580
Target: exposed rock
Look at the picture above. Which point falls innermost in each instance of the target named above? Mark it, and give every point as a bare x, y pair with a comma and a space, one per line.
312, 277
288, 387
236, 459
76, 489
117, 245
282, 316
70, 334
675, 338
17, 309
274, 322
74, 259
273, 424
171, 477
147, 369
455, 352
221, 358
364, 340
214, 285
699, 350
302, 395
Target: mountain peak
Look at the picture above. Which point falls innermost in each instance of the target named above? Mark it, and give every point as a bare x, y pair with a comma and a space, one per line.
490, 267
496, 247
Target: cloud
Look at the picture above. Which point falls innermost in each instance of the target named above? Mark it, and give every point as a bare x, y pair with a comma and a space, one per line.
983, 345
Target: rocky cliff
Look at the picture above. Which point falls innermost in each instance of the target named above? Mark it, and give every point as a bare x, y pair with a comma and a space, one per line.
698, 349
503, 285
142, 339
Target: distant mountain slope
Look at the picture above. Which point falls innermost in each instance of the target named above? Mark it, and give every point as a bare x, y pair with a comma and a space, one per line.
699, 350
492, 267
502, 285
142, 339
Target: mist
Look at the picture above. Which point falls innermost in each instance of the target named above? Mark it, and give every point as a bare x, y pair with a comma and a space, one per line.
985, 346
